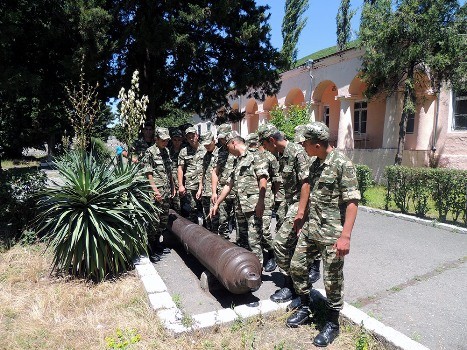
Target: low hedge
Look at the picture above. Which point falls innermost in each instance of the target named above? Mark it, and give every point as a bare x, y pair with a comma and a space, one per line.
445, 187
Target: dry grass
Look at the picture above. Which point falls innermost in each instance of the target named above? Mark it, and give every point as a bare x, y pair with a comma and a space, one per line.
40, 311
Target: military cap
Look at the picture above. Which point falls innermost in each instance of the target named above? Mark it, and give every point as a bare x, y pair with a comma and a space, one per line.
162, 133
176, 133
265, 131
223, 130
207, 138
190, 129
299, 130
231, 135
316, 131
252, 138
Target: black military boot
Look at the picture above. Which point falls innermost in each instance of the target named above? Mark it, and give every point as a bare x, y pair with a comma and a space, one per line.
302, 314
284, 294
313, 274
330, 330
270, 262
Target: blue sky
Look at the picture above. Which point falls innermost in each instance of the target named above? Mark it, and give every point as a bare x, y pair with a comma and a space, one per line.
320, 31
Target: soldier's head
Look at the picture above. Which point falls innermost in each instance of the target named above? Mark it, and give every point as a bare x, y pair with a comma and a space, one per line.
269, 136
208, 141
252, 140
148, 132
191, 136
222, 131
316, 139
176, 138
235, 143
162, 137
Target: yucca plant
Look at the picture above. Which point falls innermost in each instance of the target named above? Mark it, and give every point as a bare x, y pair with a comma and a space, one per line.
95, 222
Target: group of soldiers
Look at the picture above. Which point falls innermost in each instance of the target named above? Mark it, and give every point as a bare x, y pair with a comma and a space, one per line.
309, 186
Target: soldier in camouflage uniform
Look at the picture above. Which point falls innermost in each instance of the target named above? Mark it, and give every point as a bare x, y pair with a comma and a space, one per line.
175, 145
222, 167
294, 169
248, 181
140, 146
205, 183
189, 170
158, 170
313, 275
274, 184
333, 210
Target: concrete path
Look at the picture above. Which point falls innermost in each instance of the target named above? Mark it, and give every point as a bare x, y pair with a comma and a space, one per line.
409, 276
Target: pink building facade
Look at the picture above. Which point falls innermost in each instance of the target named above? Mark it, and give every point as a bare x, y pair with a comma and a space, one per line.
368, 130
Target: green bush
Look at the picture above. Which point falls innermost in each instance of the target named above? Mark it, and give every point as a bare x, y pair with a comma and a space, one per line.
17, 202
100, 149
287, 120
446, 188
96, 222
365, 179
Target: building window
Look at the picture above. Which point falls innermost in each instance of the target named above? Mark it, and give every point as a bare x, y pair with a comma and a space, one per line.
410, 129
359, 117
459, 121
209, 126
199, 129
326, 116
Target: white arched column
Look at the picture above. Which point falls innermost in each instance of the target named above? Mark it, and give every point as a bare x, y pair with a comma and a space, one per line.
314, 111
392, 118
263, 117
345, 138
244, 126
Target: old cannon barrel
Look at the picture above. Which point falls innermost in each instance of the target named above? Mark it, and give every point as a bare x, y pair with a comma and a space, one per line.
238, 269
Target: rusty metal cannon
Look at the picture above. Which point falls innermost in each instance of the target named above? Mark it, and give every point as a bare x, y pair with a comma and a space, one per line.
236, 268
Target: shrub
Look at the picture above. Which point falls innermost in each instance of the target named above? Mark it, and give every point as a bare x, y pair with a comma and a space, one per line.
365, 179
398, 187
96, 222
100, 149
17, 202
287, 120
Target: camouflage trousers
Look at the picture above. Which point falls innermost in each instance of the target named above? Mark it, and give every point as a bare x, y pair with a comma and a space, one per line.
175, 203
306, 252
226, 214
194, 204
267, 241
212, 224
156, 230
279, 209
286, 238
249, 226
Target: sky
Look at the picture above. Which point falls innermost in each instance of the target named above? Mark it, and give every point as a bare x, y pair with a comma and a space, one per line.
320, 30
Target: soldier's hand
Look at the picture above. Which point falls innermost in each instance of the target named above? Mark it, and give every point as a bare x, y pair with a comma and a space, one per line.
198, 194
342, 246
214, 198
181, 190
213, 211
298, 223
259, 209
158, 197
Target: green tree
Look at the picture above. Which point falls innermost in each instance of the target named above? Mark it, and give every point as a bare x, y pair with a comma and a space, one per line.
406, 40
42, 44
287, 119
192, 53
292, 25
343, 18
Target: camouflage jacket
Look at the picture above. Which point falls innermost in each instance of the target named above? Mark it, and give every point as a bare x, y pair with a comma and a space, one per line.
249, 168
174, 157
139, 148
225, 163
206, 178
157, 161
274, 176
333, 184
190, 160
294, 168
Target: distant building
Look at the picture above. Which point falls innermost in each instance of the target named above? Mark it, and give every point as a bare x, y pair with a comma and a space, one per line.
368, 130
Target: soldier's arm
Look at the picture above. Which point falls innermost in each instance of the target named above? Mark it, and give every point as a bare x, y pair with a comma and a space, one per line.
152, 183
225, 191
303, 174
259, 210
215, 181
342, 244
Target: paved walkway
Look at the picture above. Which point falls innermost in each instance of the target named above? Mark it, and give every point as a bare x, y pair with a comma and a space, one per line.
411, 277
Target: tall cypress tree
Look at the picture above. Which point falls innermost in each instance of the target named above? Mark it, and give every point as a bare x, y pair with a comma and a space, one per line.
343, 18
292, 25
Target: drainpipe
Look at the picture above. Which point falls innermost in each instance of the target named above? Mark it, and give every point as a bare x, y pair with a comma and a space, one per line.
433, 141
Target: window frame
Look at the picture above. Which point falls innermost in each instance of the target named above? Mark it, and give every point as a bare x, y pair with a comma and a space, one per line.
360, 109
